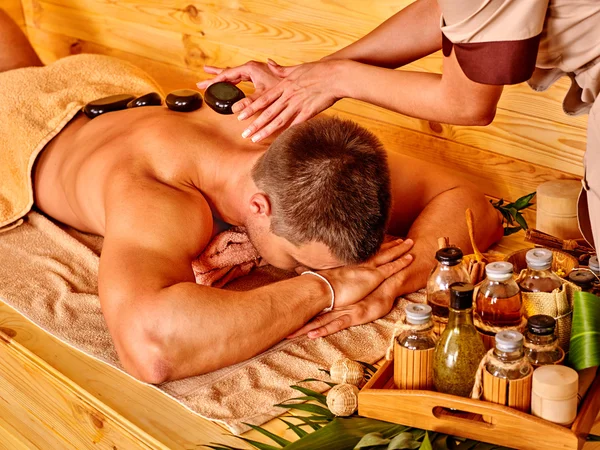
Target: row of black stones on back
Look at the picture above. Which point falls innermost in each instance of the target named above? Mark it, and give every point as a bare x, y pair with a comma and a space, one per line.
219, 96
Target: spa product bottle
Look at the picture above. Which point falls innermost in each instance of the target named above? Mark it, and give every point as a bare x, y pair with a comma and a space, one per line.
498, 302
594, 265
539, 276
541, 343
449, 270
554, 394
459, 350
413, 351
506, 379
583, 278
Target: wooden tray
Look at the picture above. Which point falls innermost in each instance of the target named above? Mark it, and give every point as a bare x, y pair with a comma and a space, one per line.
463, 417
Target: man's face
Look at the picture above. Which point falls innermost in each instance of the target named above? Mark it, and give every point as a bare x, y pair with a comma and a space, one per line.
281, 253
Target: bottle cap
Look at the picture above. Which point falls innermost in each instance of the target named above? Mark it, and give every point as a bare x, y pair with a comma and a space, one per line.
499, 271
461, 295
582, 278
417, 314
539, 258
541, 324
593, 264
449, 256
555, 382
509, 341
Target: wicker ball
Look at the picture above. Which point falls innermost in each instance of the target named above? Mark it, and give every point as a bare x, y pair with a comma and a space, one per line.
342, 400
347, 371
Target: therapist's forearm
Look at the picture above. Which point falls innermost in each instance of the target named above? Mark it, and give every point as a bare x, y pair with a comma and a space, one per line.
407, 36
417, 94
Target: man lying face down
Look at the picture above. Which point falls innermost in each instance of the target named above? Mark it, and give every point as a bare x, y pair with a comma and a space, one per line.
159, 185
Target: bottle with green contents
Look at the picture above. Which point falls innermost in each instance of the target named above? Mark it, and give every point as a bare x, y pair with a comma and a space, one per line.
459, 350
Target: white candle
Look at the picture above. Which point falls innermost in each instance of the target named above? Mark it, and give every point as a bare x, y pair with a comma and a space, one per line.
554, 394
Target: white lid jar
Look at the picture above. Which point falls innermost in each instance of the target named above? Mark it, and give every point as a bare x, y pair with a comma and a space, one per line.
554, 394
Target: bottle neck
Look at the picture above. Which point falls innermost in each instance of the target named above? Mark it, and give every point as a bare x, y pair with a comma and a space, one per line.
508, 356
541, 339
460, 316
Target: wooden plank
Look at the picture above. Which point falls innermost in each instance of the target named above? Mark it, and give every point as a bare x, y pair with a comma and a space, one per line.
10, 439
14, 9
51, 410
514, 133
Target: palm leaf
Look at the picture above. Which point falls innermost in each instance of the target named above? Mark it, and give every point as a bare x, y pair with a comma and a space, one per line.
277, 439
315, 409
371, 440
426, 444
259, 445
368, 366
315, 425
585, 331
221, 447
329, 383
524, 201
312, 395
295, 428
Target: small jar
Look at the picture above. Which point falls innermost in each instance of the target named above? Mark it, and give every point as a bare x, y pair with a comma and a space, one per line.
594, 266
539, 277
583, 278
541, 343
449, 270
554, 394
413, 351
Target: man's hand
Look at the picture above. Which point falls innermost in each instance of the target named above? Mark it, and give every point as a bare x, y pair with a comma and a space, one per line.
363, 293
256, 72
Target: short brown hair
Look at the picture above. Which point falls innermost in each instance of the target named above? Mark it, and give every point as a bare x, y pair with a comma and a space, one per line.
328, 181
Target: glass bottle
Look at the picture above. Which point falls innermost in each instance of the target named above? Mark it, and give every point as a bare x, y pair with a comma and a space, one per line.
539, 277
583, 278
541, 343
498, 302
413, 352
594, 266
448, 270
508, 349
459, 350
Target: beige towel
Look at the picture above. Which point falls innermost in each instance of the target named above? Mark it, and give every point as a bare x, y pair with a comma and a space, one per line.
35, 105
48, 273
228, 256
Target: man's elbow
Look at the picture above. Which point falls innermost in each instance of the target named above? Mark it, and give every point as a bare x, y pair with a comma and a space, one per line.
480, 115
146, 361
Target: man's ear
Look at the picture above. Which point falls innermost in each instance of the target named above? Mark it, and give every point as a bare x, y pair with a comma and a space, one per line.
260, 205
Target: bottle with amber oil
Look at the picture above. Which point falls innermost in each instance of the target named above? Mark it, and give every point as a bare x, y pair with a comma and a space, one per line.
459, 350
539, 277
413, 350
507, 375
449, 270
498, 304
541, 343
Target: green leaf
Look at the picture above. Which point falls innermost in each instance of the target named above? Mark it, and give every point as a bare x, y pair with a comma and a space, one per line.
368, 366
523, 202
426, 444
521, 221
593, 438
222, 447
295, 428
314, 379
315, 425
404, 440
259, 445
277, 439
345, 433
370, 440
311, 394
585, 331
315, 409
511, 230
513, 212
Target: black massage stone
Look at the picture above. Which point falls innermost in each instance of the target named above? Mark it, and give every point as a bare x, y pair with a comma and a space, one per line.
221, 97
107, 104
184, 100
151, 99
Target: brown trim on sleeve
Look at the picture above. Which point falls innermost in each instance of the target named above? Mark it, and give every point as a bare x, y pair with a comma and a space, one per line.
497, 62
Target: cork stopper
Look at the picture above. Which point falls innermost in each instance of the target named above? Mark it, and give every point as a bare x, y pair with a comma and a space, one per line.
449, 256
499, 271
539, 259
541, 324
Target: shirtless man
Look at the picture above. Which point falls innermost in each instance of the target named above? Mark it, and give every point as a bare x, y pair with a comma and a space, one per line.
158, 185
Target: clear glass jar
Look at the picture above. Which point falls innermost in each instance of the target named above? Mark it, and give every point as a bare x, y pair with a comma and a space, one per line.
509, 349
460, 349
498, 302
449, 270
541, 342
422, 339
539, 277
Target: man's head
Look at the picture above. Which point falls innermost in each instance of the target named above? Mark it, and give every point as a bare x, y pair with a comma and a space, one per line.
325, 196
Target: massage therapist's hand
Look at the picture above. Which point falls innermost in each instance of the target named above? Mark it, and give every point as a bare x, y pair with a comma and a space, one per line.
372, 306
258, 73
303, 92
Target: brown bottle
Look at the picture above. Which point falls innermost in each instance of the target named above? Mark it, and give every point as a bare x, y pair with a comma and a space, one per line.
539, 276
498, 302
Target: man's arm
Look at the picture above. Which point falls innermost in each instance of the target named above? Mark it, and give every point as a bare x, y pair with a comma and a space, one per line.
163, 324
428, 203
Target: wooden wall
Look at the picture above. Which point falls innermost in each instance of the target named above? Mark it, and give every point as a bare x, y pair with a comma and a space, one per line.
530, 141
14, 8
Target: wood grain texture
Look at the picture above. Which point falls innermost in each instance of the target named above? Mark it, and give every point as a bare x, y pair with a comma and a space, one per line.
14, 8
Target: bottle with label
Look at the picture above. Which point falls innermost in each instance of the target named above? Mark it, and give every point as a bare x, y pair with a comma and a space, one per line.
498, 304
539, 276
507, 375
541, 343
413, 351
449, 270
459, 350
